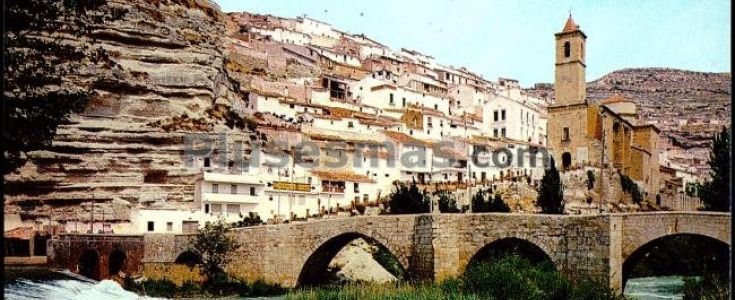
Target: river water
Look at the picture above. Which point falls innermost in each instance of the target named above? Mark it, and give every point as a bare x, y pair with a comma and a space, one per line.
41, 283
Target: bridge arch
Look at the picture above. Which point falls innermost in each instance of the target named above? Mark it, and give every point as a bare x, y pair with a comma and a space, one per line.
89, 264
713, 252
188, 258
116, 262
536, 252
314, 263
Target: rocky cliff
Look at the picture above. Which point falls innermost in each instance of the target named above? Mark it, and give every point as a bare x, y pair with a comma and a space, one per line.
126, 149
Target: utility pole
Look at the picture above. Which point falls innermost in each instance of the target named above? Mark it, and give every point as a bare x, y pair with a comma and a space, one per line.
469, 166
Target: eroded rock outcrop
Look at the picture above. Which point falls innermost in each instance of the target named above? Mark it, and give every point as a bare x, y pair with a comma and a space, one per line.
168, 78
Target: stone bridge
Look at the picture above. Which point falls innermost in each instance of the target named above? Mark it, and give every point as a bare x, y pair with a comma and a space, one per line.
428, 246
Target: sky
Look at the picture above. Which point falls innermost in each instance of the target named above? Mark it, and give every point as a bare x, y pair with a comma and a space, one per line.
515, 39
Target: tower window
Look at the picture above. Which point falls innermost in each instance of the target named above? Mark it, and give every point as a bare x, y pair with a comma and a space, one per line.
567, 49
565, 134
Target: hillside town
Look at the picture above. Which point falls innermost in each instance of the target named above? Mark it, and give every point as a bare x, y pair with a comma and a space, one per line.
374, 117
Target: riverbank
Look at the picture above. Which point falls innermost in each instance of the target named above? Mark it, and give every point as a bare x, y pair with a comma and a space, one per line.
43, 283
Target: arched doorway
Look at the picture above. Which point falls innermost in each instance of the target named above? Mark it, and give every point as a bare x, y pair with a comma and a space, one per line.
566, 160
678, 254
116, 262
89, 264
188, 258
315, 270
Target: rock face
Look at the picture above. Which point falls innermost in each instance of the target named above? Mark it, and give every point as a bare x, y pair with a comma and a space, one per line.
355, 263
126, 149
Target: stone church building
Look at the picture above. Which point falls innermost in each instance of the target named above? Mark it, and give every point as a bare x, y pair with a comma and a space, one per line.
609, 133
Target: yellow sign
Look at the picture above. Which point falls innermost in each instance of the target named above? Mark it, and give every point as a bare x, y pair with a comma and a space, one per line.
290, 186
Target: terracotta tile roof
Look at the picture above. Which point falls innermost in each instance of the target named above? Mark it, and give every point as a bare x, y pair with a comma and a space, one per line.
448, 152
23, 233
616, 98
570, 25
405, 138
339, 175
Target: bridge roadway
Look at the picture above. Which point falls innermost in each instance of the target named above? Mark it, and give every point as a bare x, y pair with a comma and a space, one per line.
428, 246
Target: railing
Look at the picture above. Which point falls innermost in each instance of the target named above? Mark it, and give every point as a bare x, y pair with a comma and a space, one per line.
231, 198
333, 189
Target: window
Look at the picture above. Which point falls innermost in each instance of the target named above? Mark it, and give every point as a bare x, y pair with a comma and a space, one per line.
270, 198
391, 98
169, 226
206, 162
364, 198
206, 208
565, 134
502, 131
357, 187
150, 226
495, 116
436, 106
215, 188
502, 115
567, 49
495, 132
233, 208
429, 123
252, 191
404, 101
350, 124
233, 189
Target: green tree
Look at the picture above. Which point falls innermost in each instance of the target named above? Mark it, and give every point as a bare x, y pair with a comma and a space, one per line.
407, 200
551, 196
497, 204
446, 203
215, 248
478, 202
37, 60
715, 193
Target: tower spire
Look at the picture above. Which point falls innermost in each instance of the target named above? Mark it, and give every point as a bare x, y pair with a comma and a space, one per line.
570, 25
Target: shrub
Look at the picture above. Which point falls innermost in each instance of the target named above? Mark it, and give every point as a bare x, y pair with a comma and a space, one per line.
407, 200
590, 179
446, 203
498, 205
388, 261
711, 286
253, 219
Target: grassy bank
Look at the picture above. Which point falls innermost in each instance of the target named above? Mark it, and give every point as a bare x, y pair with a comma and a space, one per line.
510, 277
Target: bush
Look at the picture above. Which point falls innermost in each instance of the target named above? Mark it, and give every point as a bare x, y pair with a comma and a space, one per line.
446, 203
388, 261
709, 287
590, 179
253, 219
498, 205
407, 200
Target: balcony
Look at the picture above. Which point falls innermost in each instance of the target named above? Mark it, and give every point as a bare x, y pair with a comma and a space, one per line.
230, 198
333, 189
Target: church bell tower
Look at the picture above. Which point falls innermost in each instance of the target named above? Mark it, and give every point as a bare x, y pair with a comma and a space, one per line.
569, 84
